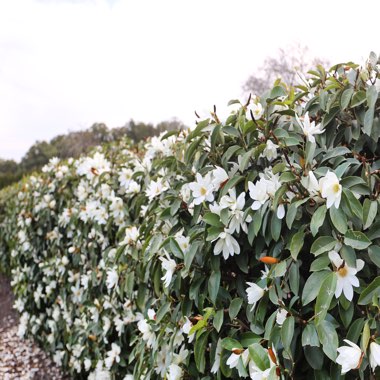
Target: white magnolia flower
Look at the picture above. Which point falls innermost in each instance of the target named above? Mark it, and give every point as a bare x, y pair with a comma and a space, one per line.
281, 316
331, 189
227, 244
146, 329
131, 236
257, 110
112, 278
270, 151
346, 276
349, 357
183, 242
113, 355
203, 189
309, 128
236, 206
175, 372
258, 192
310, 183
155, 188
233, 359
186, 329
125, 177
255, 373
374, 355
254, 293
168, 266
218, 352
129, 377
220, 177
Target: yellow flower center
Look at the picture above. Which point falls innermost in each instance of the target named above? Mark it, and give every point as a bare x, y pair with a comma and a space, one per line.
336, 188
203, 191
343, 271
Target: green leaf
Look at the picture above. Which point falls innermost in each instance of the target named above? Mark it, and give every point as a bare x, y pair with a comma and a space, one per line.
355, 330
356, 240
329, 339
365, 337
309, 153
354, 205
200, 350
275, 227
259, 356
231, 183
373, 289
213, 286
234, 308
296, 244
322, 244
369, 212
287, 177
374, 254
317, 219
218, 320
339, 219
313, 285
310, 336
346, 97
368, 121
324, 298
371, 96
212, 219
280, 269
358, 98
245, 160
287, 332
278, 168
189, 257
231, 344
277, 92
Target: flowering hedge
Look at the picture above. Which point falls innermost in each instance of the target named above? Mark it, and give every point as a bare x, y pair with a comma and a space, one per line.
248, 248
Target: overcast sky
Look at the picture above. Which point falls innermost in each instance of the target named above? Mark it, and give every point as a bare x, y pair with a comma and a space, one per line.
67, 64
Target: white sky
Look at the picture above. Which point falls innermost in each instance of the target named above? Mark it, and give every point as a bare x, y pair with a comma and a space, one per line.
67, 64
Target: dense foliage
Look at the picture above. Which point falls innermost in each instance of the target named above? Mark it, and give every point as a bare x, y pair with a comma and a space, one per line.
248, 247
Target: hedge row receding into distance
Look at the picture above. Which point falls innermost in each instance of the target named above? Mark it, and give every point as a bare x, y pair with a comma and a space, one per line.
244, 248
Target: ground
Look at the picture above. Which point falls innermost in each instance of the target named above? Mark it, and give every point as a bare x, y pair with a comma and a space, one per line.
20, 359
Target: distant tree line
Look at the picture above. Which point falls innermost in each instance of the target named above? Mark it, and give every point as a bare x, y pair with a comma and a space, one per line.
74, 144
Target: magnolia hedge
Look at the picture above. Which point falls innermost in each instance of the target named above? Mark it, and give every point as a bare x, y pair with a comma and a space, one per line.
244, 248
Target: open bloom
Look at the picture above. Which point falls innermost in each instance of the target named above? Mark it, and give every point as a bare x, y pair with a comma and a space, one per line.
349, 357
346, 276
113, 355
168, 266
220, 177
203, 189
258, 192
281, 316
310, 183
254, 293
374, 355
175, 372
309, 128
227, 244
257, 110
270, 151
112, 278
331, 189
218, 352
233, 359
